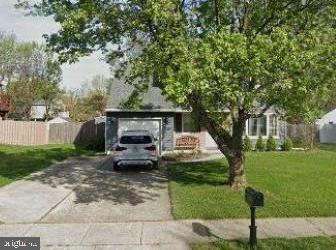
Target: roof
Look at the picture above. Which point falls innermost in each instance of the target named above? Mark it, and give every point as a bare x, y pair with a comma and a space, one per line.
39, 103
152, 100
328, 118
60, 120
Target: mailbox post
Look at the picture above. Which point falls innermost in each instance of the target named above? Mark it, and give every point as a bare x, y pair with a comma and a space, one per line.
254, 199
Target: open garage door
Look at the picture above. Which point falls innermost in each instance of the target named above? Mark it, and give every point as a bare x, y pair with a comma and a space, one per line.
153, 125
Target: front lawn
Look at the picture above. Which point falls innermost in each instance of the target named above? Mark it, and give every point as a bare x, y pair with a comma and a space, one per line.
274, 244
295, 184
19, 161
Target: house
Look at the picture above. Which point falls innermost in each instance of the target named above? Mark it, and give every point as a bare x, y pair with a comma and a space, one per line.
38, 110
60, 119
171, 125
327, 127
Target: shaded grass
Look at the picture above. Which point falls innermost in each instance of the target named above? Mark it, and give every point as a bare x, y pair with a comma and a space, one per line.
274, 244
17, 162
295, 184
183, 156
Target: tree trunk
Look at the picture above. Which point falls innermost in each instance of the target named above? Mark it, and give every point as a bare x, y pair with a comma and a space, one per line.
229, 142
235, 156
237, 178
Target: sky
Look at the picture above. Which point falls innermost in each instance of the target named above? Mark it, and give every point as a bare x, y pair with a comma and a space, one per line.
28, 28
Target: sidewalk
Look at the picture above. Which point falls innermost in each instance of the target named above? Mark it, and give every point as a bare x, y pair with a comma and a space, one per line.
165, 234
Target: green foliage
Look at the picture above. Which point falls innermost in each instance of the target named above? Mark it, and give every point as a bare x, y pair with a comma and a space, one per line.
247, 144
133, 102
287, 144
200, 59
270, 172
277, 54
323, 242
30, 72
20, 161
271, 144
92, 101
260, 145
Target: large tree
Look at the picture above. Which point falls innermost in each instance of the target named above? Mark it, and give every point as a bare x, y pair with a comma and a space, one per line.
30, 73
89, 101
228, 60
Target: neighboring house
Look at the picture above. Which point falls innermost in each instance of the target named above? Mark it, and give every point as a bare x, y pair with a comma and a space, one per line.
100, 119
60, 119
171, 125
38, 110
327, 127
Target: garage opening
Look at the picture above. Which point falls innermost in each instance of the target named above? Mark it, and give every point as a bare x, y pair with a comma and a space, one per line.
152, 125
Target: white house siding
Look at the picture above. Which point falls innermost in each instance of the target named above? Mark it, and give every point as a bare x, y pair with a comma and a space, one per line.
38, 112
328, 133
327, 127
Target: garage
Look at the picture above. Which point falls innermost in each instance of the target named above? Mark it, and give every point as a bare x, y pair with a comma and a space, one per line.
153, 125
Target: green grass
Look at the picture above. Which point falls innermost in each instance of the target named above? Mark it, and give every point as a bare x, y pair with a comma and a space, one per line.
295, 184
17, 162
315, 243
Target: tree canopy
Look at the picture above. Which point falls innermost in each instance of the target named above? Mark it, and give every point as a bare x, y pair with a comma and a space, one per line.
89, 101
226, 59
30, 73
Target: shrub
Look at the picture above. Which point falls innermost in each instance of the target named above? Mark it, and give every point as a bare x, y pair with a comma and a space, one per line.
271, 144
260, 145
287, 145
247, 144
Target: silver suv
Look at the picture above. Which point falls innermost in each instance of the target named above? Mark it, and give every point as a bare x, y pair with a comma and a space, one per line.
134, 148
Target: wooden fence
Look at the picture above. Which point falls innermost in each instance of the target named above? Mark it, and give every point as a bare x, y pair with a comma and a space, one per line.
303, 134
41, 133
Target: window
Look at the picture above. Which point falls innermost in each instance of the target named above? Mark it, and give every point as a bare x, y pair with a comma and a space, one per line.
136, 139
253, 127
273, 125
188, 124
257, 126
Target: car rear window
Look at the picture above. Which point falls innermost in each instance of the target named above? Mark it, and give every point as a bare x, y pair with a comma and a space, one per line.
135, 139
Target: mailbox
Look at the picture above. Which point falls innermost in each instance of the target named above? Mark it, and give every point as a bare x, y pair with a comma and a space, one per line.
254, 198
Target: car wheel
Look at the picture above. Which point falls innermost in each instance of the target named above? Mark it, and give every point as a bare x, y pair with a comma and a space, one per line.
116, 167
155, 165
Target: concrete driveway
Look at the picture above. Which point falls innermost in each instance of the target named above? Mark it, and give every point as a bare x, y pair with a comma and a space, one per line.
86, 190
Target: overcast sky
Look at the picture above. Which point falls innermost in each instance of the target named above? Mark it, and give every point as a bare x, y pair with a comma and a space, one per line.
32, 28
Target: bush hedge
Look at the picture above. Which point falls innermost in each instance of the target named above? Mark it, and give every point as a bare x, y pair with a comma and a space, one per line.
287, 145
260, 145
247, 144
271, 144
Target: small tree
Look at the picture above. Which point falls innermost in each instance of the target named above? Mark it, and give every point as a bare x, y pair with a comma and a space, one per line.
260, 145
271, 144
287, 145
247, 144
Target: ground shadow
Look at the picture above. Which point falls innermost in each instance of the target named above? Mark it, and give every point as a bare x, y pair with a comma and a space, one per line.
212, 173
204, 231
93, 180
17, 163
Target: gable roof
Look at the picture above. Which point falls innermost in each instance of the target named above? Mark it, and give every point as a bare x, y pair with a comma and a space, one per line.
152, 100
